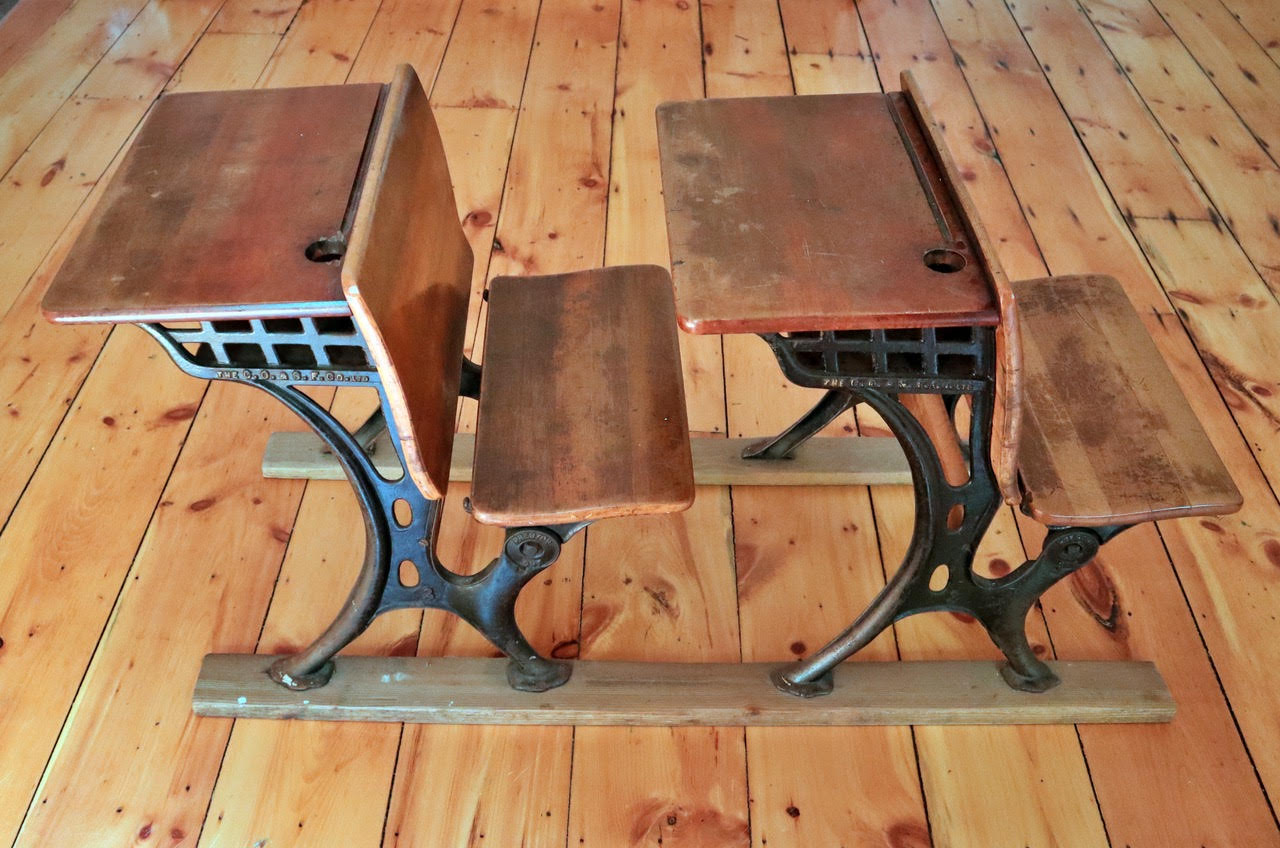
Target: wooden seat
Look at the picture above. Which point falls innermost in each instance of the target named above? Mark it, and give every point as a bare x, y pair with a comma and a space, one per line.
1108, 437
582, 411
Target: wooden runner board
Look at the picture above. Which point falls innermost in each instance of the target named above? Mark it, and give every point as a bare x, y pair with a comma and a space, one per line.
871, 461
464, 690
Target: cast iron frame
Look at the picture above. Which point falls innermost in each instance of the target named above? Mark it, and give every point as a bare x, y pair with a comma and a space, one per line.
874, 367
280, 355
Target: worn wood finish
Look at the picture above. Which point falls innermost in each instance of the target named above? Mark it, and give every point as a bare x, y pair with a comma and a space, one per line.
806, 560
407, 277
1006, 425
784, 248
1132, 601
475, 691
475, 99
1192, 781
582, 403
971, 805
214, 208
1110, 439
869, 461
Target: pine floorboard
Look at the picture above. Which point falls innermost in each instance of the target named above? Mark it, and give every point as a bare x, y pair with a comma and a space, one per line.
1134, 137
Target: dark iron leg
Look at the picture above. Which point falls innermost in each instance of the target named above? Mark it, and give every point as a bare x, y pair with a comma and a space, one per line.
813, 676
874, 367
783, 445
313, 666
488, 603
485, 600
1001, 605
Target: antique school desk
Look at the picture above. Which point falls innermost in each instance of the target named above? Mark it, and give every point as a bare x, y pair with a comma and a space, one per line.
295, 237
837, 228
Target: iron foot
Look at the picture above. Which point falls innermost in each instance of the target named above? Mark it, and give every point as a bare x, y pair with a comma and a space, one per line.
1038, 680
538, 676
281, 673
815, 688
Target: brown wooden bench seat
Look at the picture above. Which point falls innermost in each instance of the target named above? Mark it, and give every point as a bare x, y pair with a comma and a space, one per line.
582, 403
1108, 438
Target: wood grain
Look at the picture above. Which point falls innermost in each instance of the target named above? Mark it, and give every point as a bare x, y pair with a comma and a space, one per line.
582, 403
1006, 425
549, 212
133, 415
407, 276
776, 249
1224, 565
1082, 231
275, 170
1110, 438
868, 461
661, 588
802, 556
970, 804
1223, 305
475, 691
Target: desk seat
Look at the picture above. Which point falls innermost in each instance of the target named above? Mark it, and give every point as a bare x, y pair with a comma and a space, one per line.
1108, 436
582, 410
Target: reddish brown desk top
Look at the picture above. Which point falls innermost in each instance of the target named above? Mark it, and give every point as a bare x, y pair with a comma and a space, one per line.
214, 205
811, 213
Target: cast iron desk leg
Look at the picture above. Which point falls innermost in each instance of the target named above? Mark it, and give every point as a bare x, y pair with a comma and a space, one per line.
486, 600
874, 367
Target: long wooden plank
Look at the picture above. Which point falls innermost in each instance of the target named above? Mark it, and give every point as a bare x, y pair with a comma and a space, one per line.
1227, 309
64, 564
1018, 105
659, 59
255, 798
46, 186
716, 462
802, 555
1239, 67
286, 782
36, 391
1223, 153
1261, 20
150, 50
36, 88
23, 25
475, 691
132, 714
1232, 323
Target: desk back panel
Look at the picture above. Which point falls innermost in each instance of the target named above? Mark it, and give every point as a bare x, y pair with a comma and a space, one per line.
407, 278
1007, 426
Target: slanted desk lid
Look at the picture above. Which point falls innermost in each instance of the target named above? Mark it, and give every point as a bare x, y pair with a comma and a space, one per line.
214, 206
818, 212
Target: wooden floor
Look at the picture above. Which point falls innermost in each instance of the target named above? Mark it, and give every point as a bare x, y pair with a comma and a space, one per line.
1131, 137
